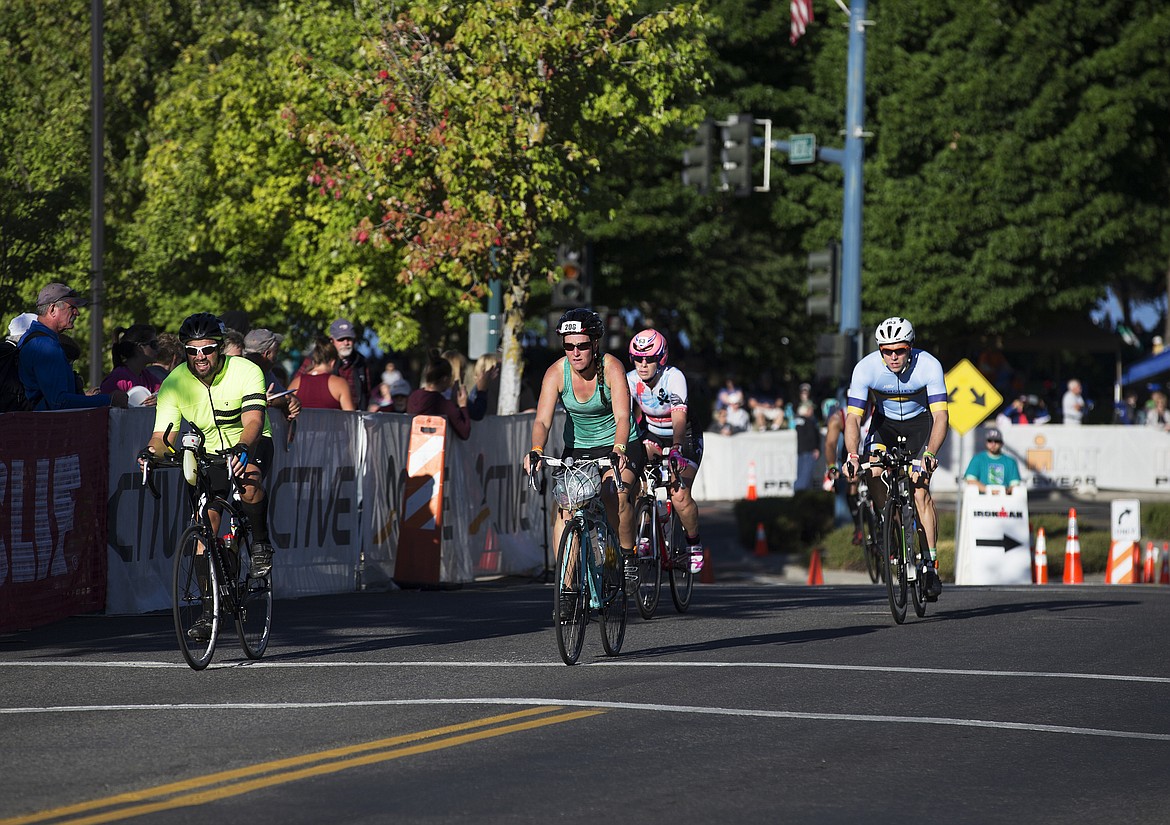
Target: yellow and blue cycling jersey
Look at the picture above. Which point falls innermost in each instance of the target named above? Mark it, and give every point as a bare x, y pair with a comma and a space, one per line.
898, 396
216, 410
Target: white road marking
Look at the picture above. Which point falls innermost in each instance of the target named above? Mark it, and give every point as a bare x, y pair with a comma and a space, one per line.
921, 671
639, 706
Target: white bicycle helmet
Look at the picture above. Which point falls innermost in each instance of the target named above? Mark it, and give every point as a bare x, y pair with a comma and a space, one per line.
894, 330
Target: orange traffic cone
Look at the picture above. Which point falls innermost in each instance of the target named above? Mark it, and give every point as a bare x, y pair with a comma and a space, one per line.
1072, 552
751, 490
707, 574
1164, 578
815, 574
761, 540
1040, 559
1120, 567
1148, 567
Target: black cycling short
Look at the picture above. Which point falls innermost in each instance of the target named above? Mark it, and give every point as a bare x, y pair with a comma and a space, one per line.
692, 446
635, 454
261, 456
883, 433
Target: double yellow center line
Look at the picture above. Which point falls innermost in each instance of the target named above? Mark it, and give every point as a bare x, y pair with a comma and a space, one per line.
225, 784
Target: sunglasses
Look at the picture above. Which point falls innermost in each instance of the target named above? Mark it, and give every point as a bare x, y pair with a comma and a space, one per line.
578, 347
206, 350
152, 344
994, 441
643, 359
896, 352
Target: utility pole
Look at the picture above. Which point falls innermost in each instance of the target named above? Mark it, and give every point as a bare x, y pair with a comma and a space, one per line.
97, 217
855, 135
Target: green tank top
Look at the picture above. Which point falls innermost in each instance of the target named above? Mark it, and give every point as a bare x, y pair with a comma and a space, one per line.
217, 410
590, 424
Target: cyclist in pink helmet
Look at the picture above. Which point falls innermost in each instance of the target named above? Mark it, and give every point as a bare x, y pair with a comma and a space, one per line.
659, 393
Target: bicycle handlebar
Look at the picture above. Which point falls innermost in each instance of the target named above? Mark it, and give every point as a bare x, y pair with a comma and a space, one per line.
550, 461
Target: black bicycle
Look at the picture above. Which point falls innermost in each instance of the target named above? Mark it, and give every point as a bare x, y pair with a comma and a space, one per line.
661, 543
906, 564
212, 580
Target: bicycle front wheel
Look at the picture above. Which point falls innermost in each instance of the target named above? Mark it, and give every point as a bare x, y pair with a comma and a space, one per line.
571, 595
195, 598
682, 580
918, 586
253, 604
894, 551
614, 602
649, 565
872, 549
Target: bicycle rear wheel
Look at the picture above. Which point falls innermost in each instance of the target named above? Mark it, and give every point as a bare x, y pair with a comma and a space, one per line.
571, 594
195, 597
682, 580
918, 586
649, 565
253, 604
894, 551
614, 602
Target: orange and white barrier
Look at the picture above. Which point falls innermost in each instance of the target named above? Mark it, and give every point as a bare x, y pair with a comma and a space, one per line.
1120, 568
420, 535
1164, 576
1073, 574
1040, 559
1150, 563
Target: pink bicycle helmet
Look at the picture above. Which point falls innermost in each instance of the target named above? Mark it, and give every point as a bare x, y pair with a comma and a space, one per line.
649, 342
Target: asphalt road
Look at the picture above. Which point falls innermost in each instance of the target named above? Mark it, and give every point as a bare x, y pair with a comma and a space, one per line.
765, 703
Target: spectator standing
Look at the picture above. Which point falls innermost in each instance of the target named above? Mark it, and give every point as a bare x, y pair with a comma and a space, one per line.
233, 343
1072, 405
463, 376
133, 350
738, 420
261, 346
1126, 410
168, 355
726, 392
320, 388
48, 378
991, 468
1158, 416
351, 364
808, 445
430, 398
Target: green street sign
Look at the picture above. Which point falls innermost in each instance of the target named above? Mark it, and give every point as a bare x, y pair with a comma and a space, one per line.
802, 149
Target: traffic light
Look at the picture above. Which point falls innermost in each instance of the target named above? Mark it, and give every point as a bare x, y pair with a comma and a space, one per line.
735, 154
832, 358
699, 159
823, 279
573, 288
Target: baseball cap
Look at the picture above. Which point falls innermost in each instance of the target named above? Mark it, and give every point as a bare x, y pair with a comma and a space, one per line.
995, 435
52, 293
341, 328
259, 340
400, 386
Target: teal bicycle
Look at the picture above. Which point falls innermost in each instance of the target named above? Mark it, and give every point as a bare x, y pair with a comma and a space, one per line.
589, 571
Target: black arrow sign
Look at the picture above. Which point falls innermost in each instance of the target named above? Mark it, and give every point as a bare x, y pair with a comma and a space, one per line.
1123, 514
979, 400
951, 395
1007, 543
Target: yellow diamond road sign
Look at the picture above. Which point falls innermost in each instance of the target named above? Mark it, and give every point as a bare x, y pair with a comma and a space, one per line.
970, 397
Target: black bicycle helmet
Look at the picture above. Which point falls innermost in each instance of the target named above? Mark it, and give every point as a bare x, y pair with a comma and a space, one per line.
200, 326
581, 322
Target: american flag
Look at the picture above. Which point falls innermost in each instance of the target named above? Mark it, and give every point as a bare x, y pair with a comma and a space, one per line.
802, 15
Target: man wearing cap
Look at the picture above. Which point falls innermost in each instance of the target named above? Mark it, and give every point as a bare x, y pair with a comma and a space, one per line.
991, 468
48, 379
351, 364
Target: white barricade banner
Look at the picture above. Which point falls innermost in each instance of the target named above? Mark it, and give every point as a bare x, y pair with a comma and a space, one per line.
727, 460
994, 541
314, 513
1108, 458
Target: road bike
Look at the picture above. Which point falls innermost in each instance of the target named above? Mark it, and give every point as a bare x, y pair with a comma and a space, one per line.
661, 542
598, 584
906, 565
212, 565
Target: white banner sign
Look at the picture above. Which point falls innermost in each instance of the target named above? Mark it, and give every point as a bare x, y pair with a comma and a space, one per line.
994, 542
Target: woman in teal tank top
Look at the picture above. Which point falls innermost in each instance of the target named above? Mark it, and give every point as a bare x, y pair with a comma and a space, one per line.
600, 420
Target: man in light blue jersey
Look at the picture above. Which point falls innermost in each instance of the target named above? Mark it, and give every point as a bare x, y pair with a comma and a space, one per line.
909, 393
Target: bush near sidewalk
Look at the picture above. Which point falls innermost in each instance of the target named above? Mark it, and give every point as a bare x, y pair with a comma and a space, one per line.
797, 525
